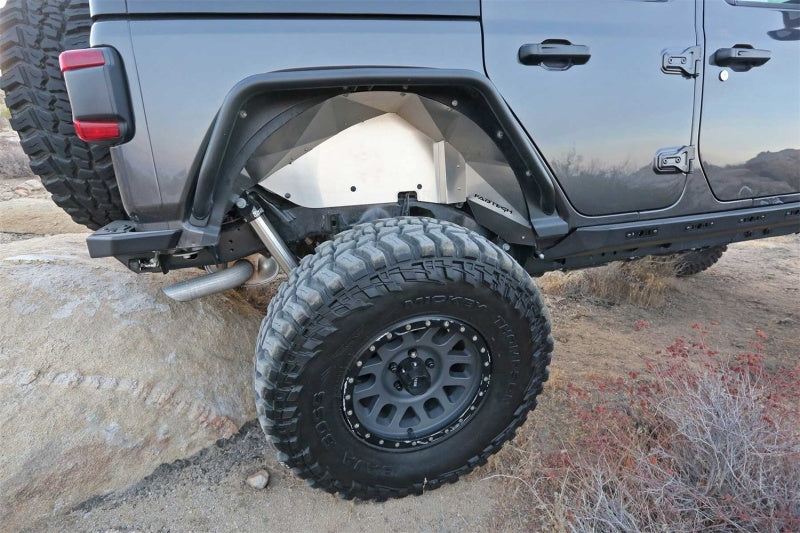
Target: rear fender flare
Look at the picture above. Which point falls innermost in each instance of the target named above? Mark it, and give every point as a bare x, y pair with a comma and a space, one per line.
260, 105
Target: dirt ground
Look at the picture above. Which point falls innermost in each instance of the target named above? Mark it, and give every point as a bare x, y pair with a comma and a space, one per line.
756, 285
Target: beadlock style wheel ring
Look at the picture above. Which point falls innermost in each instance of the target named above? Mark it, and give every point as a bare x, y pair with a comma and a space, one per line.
416, 383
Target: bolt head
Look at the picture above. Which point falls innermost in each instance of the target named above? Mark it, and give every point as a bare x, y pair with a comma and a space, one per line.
398, 385
372, 348
359, 363
430, 363
408, 327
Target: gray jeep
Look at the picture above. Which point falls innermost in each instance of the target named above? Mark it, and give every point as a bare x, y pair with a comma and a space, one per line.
410, 165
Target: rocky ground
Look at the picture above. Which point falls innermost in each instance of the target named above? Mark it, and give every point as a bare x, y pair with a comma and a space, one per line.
756, 285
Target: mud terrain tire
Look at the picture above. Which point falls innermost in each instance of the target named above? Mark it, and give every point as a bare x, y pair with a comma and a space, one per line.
80, 177
400, 275
695, 261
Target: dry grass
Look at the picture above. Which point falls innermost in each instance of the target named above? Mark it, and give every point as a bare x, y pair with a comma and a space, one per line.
701, 442
644, 282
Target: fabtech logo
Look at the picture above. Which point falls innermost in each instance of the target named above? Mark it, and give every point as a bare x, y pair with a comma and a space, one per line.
494, 204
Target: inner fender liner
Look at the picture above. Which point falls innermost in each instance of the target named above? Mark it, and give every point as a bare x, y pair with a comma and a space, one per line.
219, 180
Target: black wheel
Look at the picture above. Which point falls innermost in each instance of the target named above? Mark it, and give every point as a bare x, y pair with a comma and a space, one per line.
399, 357
80, 177
695, 261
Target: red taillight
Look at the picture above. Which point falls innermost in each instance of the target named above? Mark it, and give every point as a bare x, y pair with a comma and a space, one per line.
76, 59
97, 131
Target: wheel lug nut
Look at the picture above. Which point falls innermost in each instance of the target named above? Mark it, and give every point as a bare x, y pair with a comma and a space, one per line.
430, 363
413, 353
393, 367
398, 385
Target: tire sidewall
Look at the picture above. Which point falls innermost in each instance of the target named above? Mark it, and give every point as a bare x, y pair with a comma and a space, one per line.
505, 324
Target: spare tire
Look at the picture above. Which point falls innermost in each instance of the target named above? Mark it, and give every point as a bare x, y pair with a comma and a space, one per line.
80, 177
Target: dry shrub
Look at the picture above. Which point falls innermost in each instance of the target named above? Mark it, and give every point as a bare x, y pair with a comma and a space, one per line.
643, 282
699, 442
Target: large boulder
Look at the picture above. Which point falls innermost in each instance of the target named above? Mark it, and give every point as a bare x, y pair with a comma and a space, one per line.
102, 378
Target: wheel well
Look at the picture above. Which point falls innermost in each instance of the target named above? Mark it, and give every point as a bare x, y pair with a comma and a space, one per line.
266, 116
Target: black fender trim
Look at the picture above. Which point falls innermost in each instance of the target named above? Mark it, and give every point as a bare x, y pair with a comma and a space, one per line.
215, 185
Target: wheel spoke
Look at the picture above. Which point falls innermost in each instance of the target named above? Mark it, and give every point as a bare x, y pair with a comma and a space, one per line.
383, 408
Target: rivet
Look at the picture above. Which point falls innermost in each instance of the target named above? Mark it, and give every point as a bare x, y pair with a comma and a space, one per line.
372, 348
446, 324
389, 336
359, 363
243, 114
380, 441
349, 413
454, 103
408, 327
396, 444
480, 393
356, 425
486, 363
347, 397
350, 380
462, 329
474, 337
472, 408
427, 322
483, 350
367, 435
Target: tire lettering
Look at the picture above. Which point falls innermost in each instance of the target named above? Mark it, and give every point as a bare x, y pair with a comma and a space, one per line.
466, 303
321, 426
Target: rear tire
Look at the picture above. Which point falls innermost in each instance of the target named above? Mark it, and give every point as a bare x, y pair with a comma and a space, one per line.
80, 177
387, 293
695, 261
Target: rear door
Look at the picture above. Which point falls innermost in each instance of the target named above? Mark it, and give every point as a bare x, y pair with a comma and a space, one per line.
750, 127
603, 107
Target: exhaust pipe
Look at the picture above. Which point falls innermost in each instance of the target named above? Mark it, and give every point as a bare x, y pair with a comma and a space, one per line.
222, 280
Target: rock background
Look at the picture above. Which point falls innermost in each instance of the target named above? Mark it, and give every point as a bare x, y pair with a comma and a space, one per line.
103, 378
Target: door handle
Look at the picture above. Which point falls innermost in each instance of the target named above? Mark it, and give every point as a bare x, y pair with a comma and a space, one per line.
742, 56
554, 54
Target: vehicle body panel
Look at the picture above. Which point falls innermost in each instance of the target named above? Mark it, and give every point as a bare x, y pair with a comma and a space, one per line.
450, 8
185, 67
599, 124
750, 133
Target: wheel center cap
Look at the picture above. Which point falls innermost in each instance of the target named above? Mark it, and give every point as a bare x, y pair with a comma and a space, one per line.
414, 376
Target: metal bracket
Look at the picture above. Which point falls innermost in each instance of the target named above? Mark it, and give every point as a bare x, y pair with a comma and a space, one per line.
674, 160
685, 62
